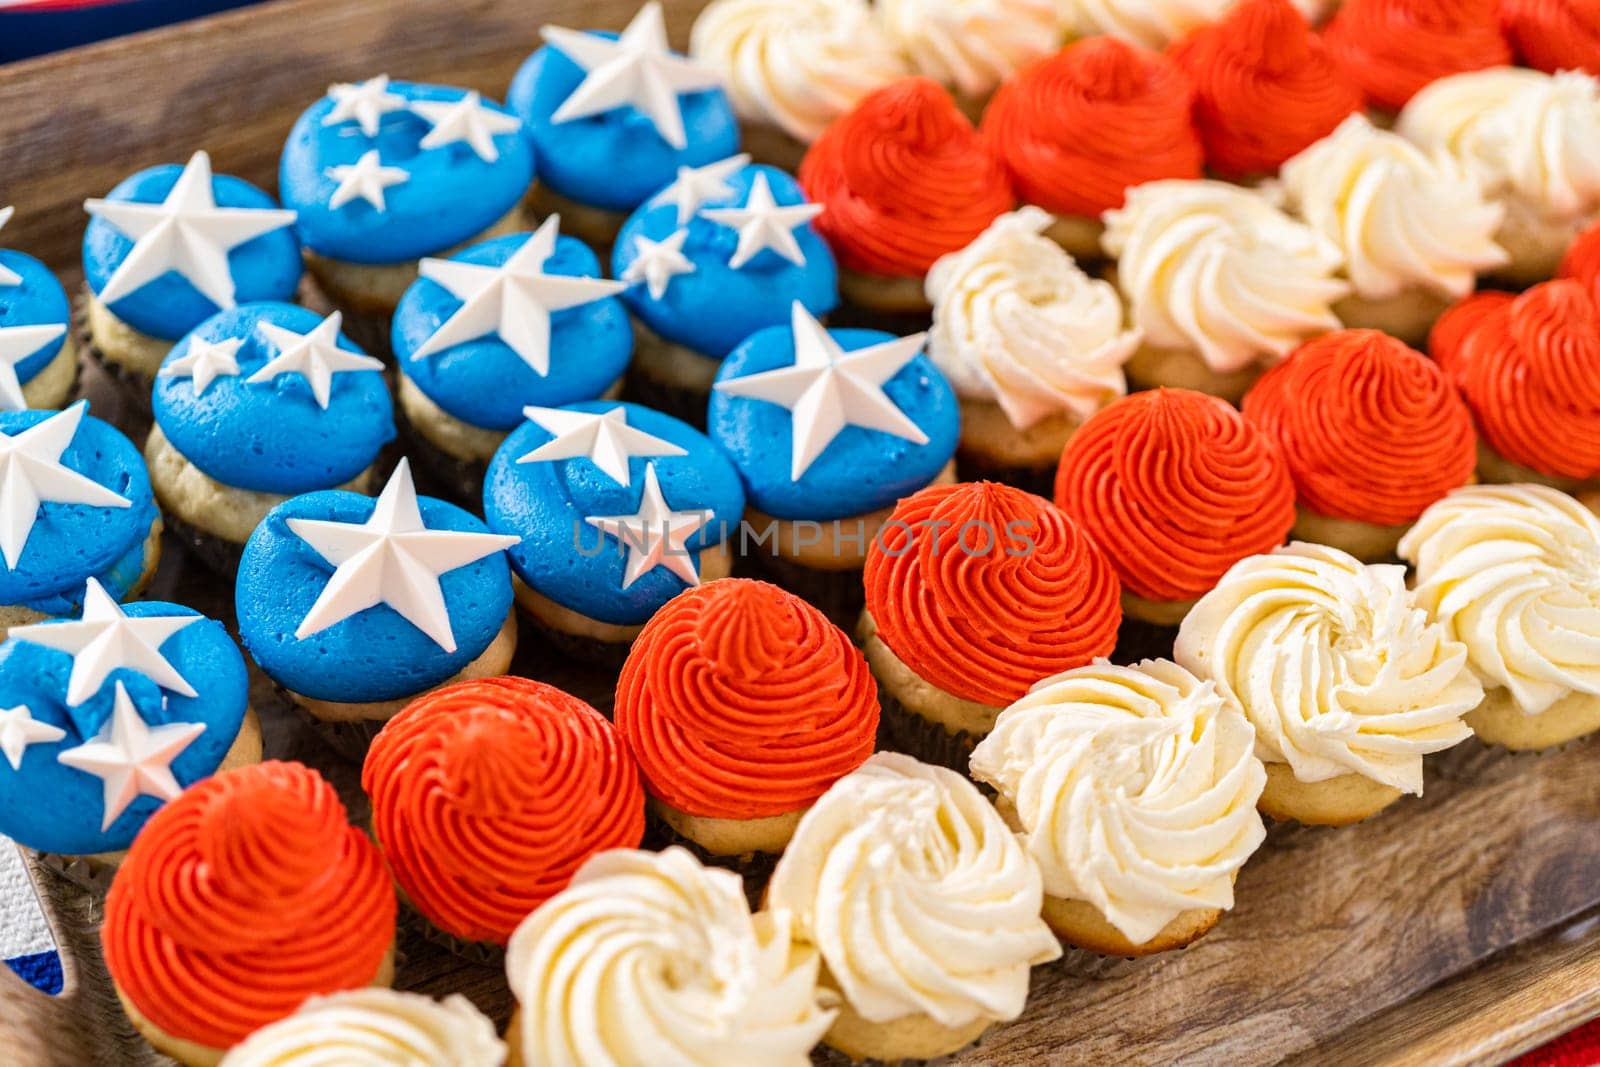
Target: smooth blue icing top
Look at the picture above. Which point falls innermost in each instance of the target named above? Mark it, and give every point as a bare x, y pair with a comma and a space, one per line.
714, 308
576, 565
38, 301
451, 196
264, 268
375, 654
861, 470
55, 808
272, 437
484, 382
73, 542
616, 159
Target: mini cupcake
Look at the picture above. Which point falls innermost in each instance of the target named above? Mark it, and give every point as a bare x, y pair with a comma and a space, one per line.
256, 405
239, 900
1222, 283
1031, 344
615, 510
167, 249
719, 254
1394, 48
1552, 35
743, 704
1346, 680
519, 320
960, 625
649, 957
954, 959
488, 795
903, 178
589, 99
375, 1028
38, 356
1175, 488
971, 46
77, 506
1372, 431
1135, 789
1581, 261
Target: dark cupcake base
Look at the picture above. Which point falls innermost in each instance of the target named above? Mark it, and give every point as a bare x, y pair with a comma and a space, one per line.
840, 595
217, 554
438, 473
1039, 481
682, 404
94, 878
607, 654
483, 953
133, 415
905, 731
349, 740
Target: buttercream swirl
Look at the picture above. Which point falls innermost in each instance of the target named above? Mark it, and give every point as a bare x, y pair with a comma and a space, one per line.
1135, 789
1553, 35
1334, 664
375, 1028
741, 701
1393, 48
1151, 23
243, 897
487, 795
1175, 487
971, 45
1582, 261
918, 896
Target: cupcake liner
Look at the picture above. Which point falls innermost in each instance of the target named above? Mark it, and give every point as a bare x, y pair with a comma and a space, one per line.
440, 474
133, 415
1139, 640
684, 404
218, 554
1292, 835
905, 731
485, 953
754, 867
350, 740
840, 595
607, 654
94, 878
1093, 967
1039, 481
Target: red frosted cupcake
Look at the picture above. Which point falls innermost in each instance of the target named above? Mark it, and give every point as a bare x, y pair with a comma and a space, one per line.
1373, 432
974, 593
1553, 35
488, 795
1176, 487
1077, 129
1582, 261
240, 899
903, 179
1392, 48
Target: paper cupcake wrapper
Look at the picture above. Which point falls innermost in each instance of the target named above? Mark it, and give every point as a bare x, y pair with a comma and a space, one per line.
349, 740
439, 473
1039, 481
605, 654
484, 953
754, 867
134, 414
685, 404
217, 554
840, 595
905, 731
94, 878
1093, 967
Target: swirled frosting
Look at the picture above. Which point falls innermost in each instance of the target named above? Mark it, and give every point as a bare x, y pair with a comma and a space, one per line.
240, 899
971, 45
1513, 572
1582, 261
1552, 35
1016, 322
1135, 788
1175, 486
1335, 665
918, 896
487, 795
375, 1028
1393, 48
1076, 130
797, 64
1151, 23
742, 701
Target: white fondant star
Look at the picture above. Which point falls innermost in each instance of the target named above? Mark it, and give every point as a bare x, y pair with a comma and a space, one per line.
656, 263
366, 178
655, 535
364, 103
187, 232
8, 276
17, 343
762, 224
392, 559
205, 362
606, 440
637, 69
19, 729
315, 356
465, 121
31, 474
695, 186
827, 389
106, 639
513, 300
131, 757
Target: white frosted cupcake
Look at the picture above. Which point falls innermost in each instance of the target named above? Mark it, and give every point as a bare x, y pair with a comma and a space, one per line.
971, 46
1513, 572
1158, 23
1346, 680
1135, 788
375, 1028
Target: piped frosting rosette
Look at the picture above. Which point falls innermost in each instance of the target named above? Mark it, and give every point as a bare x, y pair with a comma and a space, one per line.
1393, 48
971, 45
375, 1028
1553, 35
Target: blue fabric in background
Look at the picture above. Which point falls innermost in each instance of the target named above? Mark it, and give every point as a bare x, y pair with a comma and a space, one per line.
25, 32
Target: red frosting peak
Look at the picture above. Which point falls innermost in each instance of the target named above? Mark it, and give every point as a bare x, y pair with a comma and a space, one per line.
1582, 261
1554, 35
1393, 48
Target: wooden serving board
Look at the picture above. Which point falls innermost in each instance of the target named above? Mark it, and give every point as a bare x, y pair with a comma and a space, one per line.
1461, 928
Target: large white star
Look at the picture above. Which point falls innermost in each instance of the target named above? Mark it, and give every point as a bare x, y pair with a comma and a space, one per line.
465, 121
31, 474
827, 389
695, 186
17, 343
366, 179
655, 535
392, 559
315, 356
132, 758
606, 440
364, 103
19, 729
513, 300
637, 69
656, 263
106, 639
205, 362
187, 232
8, 276
762, 224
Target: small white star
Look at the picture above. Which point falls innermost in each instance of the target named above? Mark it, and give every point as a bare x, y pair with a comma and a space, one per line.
205, 362
465, 121
696, 186
655, 535
636, 70
17, 343
132, 758
19, 729
8, 276
31, 474
656, 263
606, 440
366, 178
762, 224
364, 103
827, 389
315, 356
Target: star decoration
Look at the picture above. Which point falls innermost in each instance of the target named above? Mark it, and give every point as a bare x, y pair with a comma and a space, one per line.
8, 276
513, 300
205, 362
656, 263
19, 729
762, 224
392, 559
655, 535
696, 186
132, 758
31, 474
364, 103
106, 639
365, 179
465, 121
315, 356
187, 232
828, 389
636, 70
17, 343
606, 440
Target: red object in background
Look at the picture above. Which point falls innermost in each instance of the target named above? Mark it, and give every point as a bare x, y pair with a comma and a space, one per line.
1580, 1048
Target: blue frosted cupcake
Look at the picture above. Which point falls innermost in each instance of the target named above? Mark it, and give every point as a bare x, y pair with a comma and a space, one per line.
259, 404
613, 117
616, 509
38, 359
